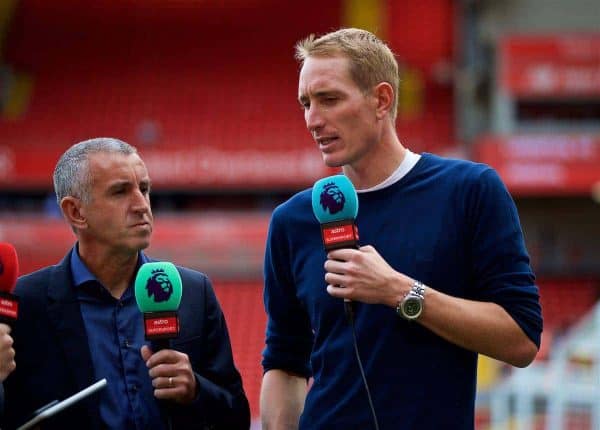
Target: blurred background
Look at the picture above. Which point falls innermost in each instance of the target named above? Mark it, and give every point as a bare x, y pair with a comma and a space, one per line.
206, 90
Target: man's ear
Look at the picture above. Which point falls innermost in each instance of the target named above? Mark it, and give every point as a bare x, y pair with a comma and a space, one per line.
384, 94
73, 212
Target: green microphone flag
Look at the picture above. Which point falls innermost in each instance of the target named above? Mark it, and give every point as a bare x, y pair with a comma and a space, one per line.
158, 291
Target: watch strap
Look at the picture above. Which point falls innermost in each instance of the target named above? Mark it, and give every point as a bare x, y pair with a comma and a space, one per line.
418, 288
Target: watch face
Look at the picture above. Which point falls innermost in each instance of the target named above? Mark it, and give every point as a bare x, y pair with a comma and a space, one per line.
412, 306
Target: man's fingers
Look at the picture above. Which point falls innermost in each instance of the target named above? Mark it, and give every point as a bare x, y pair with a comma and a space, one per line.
343, 254
338, 291
164, 356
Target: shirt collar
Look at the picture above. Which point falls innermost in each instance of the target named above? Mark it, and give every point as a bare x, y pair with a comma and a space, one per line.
409, 161
81, 274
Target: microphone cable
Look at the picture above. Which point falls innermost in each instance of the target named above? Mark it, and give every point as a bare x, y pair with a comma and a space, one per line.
349, 310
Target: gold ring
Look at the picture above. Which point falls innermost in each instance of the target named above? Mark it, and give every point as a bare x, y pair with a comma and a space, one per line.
170, 381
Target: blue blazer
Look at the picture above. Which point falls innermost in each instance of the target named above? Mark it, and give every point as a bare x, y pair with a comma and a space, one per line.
54, 361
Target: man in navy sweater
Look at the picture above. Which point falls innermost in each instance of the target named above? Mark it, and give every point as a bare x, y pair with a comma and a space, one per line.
440, 234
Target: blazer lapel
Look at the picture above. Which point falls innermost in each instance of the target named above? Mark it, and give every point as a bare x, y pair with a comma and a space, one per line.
65, 314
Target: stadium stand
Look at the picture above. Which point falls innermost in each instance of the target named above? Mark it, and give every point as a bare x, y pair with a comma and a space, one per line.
166, 79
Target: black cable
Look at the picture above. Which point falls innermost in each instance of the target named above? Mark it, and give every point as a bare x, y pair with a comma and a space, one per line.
349, 309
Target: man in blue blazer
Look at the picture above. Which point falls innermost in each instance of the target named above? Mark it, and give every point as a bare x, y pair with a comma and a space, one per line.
79, 321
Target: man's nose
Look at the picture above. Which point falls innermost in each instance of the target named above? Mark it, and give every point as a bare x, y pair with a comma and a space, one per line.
141, 202
314, 119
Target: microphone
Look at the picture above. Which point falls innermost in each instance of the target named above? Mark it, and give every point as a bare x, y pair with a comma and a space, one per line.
335, 205
158, 291
9, 270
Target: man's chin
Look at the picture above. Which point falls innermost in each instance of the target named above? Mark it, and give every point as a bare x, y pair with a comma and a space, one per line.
145, 245
332, 161
142, 243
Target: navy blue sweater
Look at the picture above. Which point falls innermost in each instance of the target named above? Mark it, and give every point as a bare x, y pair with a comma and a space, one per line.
448, 223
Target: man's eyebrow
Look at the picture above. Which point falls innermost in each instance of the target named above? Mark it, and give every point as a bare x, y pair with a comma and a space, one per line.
123, 183
118, 184
318, 94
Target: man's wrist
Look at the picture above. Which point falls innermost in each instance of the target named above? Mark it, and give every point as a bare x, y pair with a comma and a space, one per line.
401, 287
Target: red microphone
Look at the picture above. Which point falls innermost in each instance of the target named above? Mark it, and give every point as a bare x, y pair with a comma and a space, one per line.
9, 270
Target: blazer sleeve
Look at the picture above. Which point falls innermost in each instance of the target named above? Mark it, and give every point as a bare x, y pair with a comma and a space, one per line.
221, 402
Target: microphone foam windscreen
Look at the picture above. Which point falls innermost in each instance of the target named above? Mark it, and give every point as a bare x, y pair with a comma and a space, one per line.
9, 267
158, 287
334, 198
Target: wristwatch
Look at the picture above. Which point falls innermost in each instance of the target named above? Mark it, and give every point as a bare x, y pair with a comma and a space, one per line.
412, 304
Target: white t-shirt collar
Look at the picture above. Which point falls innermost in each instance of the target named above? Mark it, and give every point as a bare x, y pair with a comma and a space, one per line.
409, 161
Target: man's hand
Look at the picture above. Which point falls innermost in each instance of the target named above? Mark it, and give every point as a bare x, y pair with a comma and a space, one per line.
171, 373
363, 275
7, 352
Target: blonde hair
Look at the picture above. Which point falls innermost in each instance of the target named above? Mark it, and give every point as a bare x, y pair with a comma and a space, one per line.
371, 60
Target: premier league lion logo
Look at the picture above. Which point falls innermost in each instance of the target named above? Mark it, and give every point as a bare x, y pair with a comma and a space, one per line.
332, 198
159, 285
